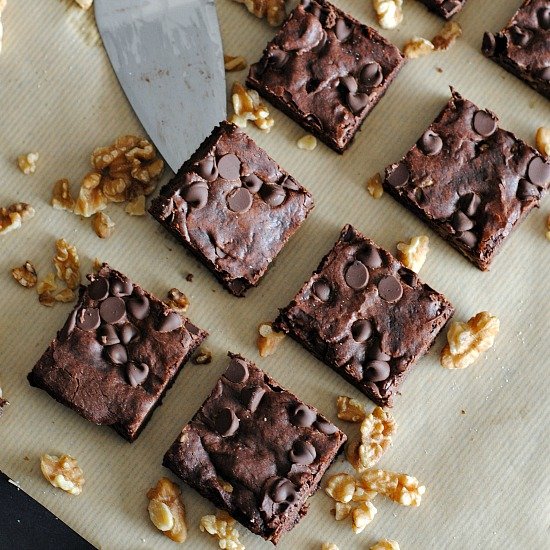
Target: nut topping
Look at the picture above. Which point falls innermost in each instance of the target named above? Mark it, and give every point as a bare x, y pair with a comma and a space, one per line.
63, 472
166, 510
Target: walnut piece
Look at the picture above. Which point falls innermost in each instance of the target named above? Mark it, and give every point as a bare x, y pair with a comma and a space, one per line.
136, 207
13, 216
85, 4
61, 196
414, 254
374, 186
247, 106
341, 487
203, 357
446, 37
67, 263
103, 225
222, 526
3, 4
65, 295
90, 197
362, 515
45, 289
268, 339
417, 47
349, 409
273, 10
25, 275
234, 63
307, 142
542, 139
329, 546
342, 510
63, 472
385, 544
466, 341
388, 12
27, 163
177, 300
166, 509
401, 488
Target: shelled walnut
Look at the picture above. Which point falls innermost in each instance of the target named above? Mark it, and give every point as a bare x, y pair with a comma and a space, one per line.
25, 275
417, 47
166, 510
177, 300
222, 526
385, 544
388, 12
413, 254
103, 225
63, 472
247, 106
374, 186
27, 163
272, 10
401, 488
446, 37
61, 196
234, 63
13, 216
67, 263
268, 339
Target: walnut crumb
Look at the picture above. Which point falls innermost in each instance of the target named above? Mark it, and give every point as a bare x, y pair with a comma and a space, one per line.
222, 526
247, 106
542, 140
85, 4
25, 275
342, 510
234, 63
27, 163
203, 357
385, 544
63, 472
388, 12
61, 196
350, 410
400, 488
362, 515
417, 47
67, 263
414, 254
103, 225
272, 10
177, 300
374, 186
268, 339
46, 289
307, 142
136, 207
341, 487
447, 35
166, 510
13, 216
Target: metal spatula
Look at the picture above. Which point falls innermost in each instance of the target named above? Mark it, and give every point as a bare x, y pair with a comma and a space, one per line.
168, 58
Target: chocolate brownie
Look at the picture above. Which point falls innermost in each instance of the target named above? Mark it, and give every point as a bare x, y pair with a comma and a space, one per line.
326, 71
232, 206
365, 315
523, 46
255, 450
445, 8
119, 351
469, 180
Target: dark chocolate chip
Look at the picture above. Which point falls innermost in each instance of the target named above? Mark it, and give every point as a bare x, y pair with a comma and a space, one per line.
302, 452
469, 203
484, 124
107, 335
196, 195
69, 325
324, 427
375, 352
461, 222
170, 322
321, 44
342, 30
289, 183
229, 167
520, 36
117, 354
277, 58
283, 490
544, 74
527, 190
430, 143
361, 330
207, 168
121, 288
99, 289
137, 374
489, 43
376, 371
138, 307
128, 333
369, 256
226, 422
399, 176
321, 289
390, 289
349, 83
302, 416
251, 397
237, 371
371, 75
408, 277
112, 310
468, 238
357, 102
357, 275
88, 319
252, 182
543, 17
538, 171
273, 195
239, 200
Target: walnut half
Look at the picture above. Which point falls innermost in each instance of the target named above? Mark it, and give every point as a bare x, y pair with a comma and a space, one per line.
25, 275
414, 254
13, 216
166, 510
63, 472
388, 12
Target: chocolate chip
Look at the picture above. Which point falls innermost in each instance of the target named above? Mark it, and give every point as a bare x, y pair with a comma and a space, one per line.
461, 222
98, 289
88, 319
544, 74
251, 397
138, 307
361, 330
170, 322
207, 168
370, 257
137, 374
237, 371
469, 203
371, 75
376, 371
538, 171
357, 275
399, 176
112, 310
375, 352
117, 354
121, 287
489, 43
239, 200
520, 36
302, 452
468, 238
69, 325
252, 182
273, 195
277, 58
349, 83
430, 143
484, 124
302, 416
390, 289
527, 190
196, 195
543, 17
324, 427
107, 335
226, 422
408, 277
289, 183
449, 6
342, 30
321, 43
321, 289
357, 102
128, 333
229, 167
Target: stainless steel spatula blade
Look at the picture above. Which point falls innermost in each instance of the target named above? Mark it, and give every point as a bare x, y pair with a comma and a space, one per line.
167, 55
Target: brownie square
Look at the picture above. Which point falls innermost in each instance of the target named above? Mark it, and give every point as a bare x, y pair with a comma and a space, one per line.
270, 447
469, 180
366, 316
326, 71
233, 207
523, 46
118, 353
445, 8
